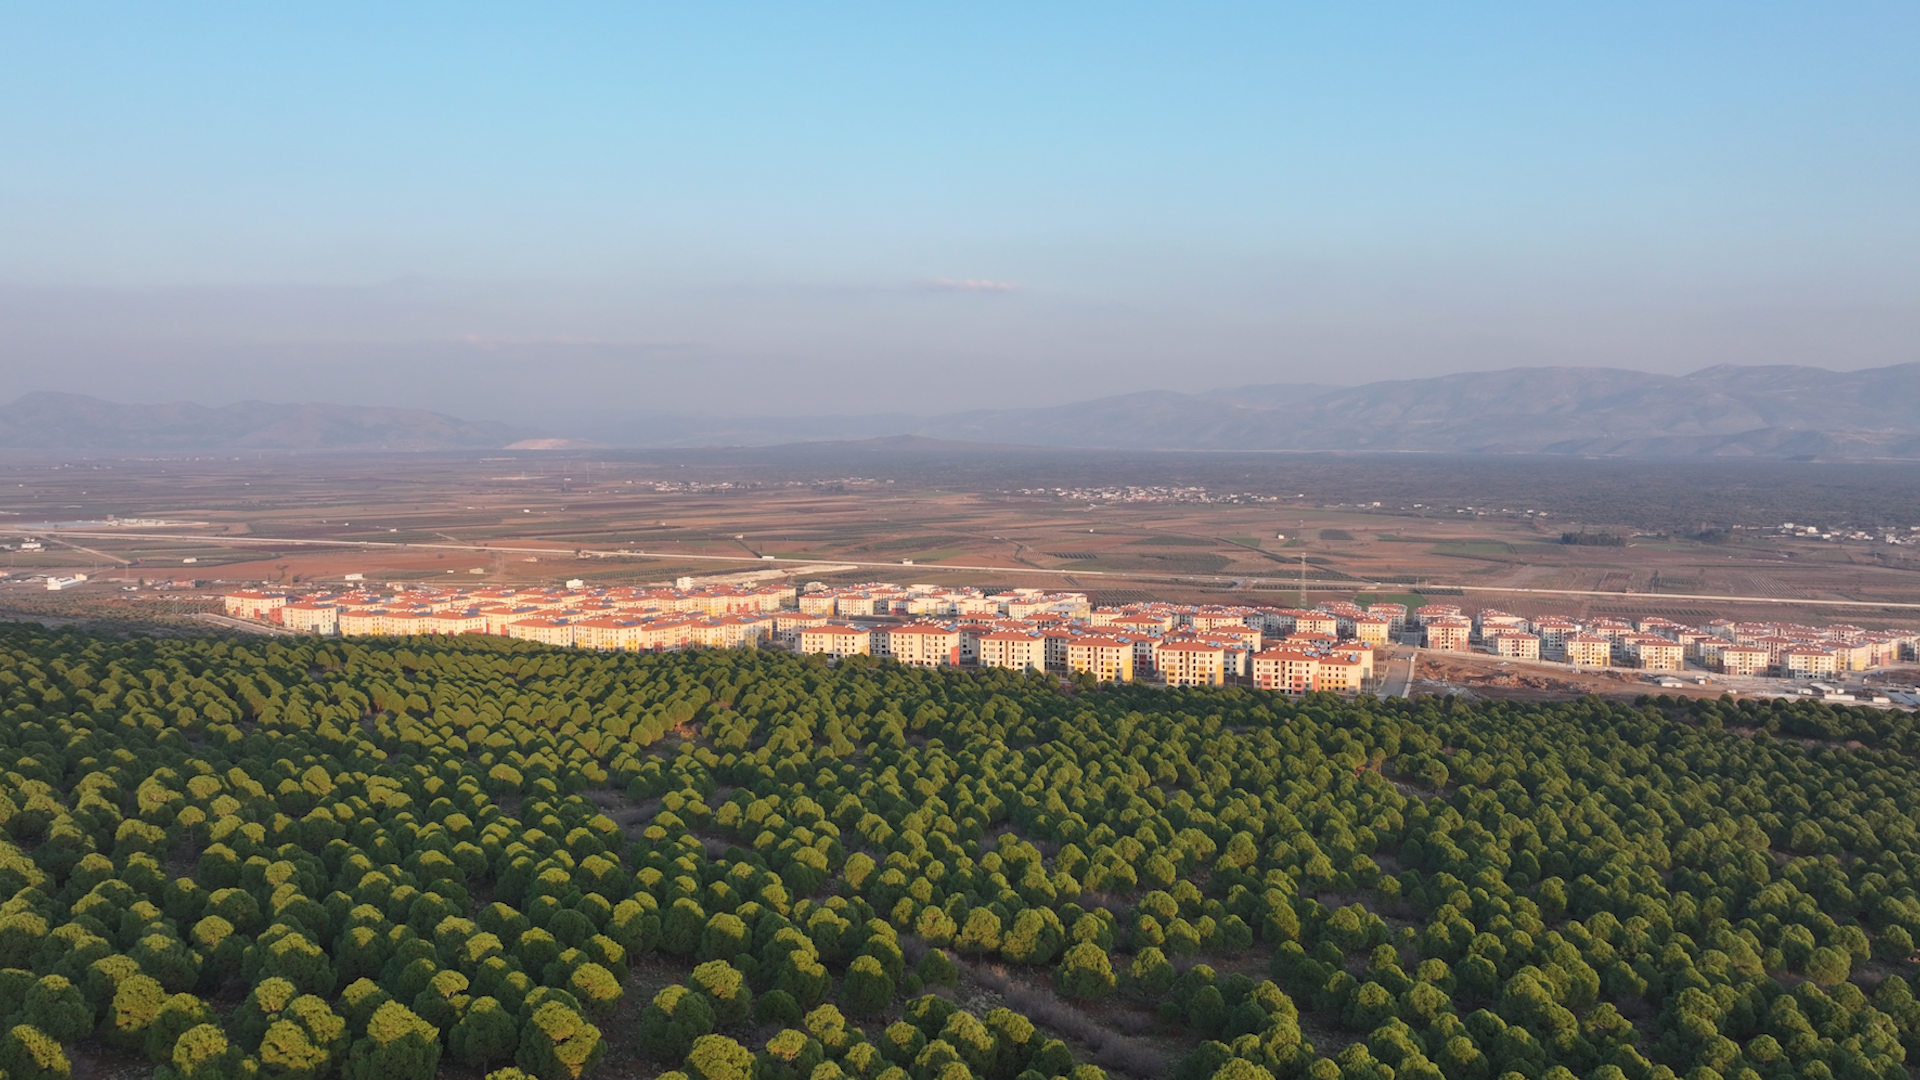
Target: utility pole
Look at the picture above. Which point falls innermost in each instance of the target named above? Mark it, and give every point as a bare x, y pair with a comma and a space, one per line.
1303, 563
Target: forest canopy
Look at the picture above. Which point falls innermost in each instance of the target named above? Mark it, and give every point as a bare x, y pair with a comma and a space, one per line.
372, 858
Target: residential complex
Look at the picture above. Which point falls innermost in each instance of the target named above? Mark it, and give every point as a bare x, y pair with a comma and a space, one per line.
1329, 648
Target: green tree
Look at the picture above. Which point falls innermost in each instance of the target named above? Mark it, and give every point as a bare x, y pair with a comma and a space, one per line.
1829, 966
398, 1045
670, 1024
26, 1053
486, 1032
867, 989
725, 989
789, 1055
1035, 937
250, 1021
596, 988
716, 1057
1150, 974
980, 934
936, 968
558, 1043
202, 1053
177, 1015
1085, 972
58, 1008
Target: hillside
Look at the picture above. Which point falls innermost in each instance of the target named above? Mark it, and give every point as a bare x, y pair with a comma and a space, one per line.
53, 421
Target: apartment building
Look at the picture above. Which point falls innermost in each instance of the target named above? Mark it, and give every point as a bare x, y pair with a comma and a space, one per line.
1490, 622
1314, 622
1515, 645
1013, 649
1588, 650
1189, 663
836, 640
542, 628
1372, 629
1654, 653
1807, 662
1107, 659
1395, 614
788, 624
608, 632
923, 645
253, 604
1730, 658
452, 622
311, 617
1448, 633
1342, 672
1554, 633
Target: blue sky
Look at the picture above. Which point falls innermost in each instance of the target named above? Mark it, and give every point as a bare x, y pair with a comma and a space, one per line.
573, 210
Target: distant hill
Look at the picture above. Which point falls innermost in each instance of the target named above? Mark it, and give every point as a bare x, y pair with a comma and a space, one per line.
52, 421
1759, 412
1762, 412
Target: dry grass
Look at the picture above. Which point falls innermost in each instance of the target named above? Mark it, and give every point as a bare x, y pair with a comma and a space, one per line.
1110, 1035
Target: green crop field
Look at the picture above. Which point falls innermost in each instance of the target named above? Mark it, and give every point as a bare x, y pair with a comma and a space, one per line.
382, 859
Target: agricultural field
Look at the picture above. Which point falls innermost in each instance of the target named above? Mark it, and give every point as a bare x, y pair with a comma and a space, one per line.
1195, 528
392, 859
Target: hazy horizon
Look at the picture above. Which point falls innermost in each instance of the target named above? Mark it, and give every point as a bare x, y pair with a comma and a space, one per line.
553, 217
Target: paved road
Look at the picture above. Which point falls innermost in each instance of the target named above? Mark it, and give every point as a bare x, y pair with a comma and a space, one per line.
777, 562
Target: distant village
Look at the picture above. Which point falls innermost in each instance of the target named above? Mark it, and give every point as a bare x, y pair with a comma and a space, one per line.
1329, 648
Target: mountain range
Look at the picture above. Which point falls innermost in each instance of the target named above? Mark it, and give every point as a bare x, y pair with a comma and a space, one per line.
1776, 411
1763, 412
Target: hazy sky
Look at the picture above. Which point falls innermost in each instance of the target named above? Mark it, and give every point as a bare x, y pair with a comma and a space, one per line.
565, 211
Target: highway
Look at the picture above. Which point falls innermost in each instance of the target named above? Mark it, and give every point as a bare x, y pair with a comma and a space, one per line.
777, 562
